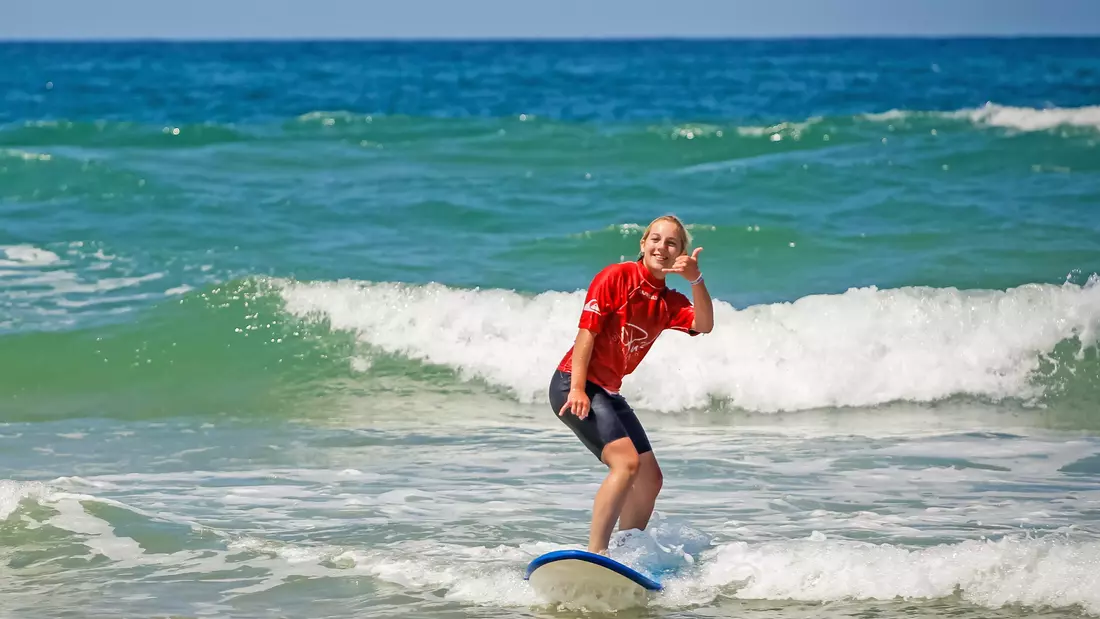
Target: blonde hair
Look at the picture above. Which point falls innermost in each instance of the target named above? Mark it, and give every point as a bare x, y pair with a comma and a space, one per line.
685, 236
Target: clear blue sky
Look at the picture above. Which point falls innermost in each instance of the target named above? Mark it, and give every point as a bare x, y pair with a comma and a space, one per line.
402, 19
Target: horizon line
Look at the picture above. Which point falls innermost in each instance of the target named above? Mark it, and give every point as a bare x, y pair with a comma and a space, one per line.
552, 38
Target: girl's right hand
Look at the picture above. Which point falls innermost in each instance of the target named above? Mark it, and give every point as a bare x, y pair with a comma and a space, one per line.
577, 402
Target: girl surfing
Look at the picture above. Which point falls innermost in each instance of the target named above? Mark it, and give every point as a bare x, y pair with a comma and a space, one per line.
626, 308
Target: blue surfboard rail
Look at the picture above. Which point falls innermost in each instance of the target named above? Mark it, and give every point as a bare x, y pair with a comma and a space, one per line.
600, 560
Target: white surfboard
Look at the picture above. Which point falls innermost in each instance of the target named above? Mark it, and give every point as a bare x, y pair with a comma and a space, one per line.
590, 580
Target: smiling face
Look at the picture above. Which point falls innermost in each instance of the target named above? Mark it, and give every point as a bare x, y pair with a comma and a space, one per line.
663, 241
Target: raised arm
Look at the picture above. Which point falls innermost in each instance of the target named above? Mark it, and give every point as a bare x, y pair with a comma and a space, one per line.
704, 307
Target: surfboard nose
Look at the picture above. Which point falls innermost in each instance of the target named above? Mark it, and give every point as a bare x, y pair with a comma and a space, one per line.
588, 580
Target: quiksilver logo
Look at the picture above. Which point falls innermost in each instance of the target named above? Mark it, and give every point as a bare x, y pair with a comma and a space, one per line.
592, 306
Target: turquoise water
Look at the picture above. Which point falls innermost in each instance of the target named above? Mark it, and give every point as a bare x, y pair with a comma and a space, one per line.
276, 323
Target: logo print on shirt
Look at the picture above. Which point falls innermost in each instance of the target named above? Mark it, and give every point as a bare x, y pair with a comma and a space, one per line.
592, 306
634, 338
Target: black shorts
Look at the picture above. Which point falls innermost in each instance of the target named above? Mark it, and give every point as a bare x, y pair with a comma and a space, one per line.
610, 419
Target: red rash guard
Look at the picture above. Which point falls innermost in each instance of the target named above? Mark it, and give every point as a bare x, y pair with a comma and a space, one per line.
627, 308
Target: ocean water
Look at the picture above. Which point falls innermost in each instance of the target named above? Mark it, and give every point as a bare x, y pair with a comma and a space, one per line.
277, 321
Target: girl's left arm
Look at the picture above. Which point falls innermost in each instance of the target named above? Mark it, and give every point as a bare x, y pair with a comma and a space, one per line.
688, 268
704, 308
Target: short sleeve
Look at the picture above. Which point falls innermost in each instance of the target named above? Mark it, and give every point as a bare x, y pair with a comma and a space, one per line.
600, 301
681, 313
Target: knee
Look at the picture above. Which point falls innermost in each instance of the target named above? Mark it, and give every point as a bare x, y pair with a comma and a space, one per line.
625, 462
630, 465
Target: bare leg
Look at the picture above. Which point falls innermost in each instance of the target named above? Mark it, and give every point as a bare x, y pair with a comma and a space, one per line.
621, 457
643, 495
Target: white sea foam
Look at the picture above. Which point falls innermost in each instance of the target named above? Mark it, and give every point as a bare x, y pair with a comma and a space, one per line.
25, 155
1053, 571
44, 289
1056, 571
863, 347
1026, 119
12, 493
1032, 119
778, 132
1034, 572
27, 256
